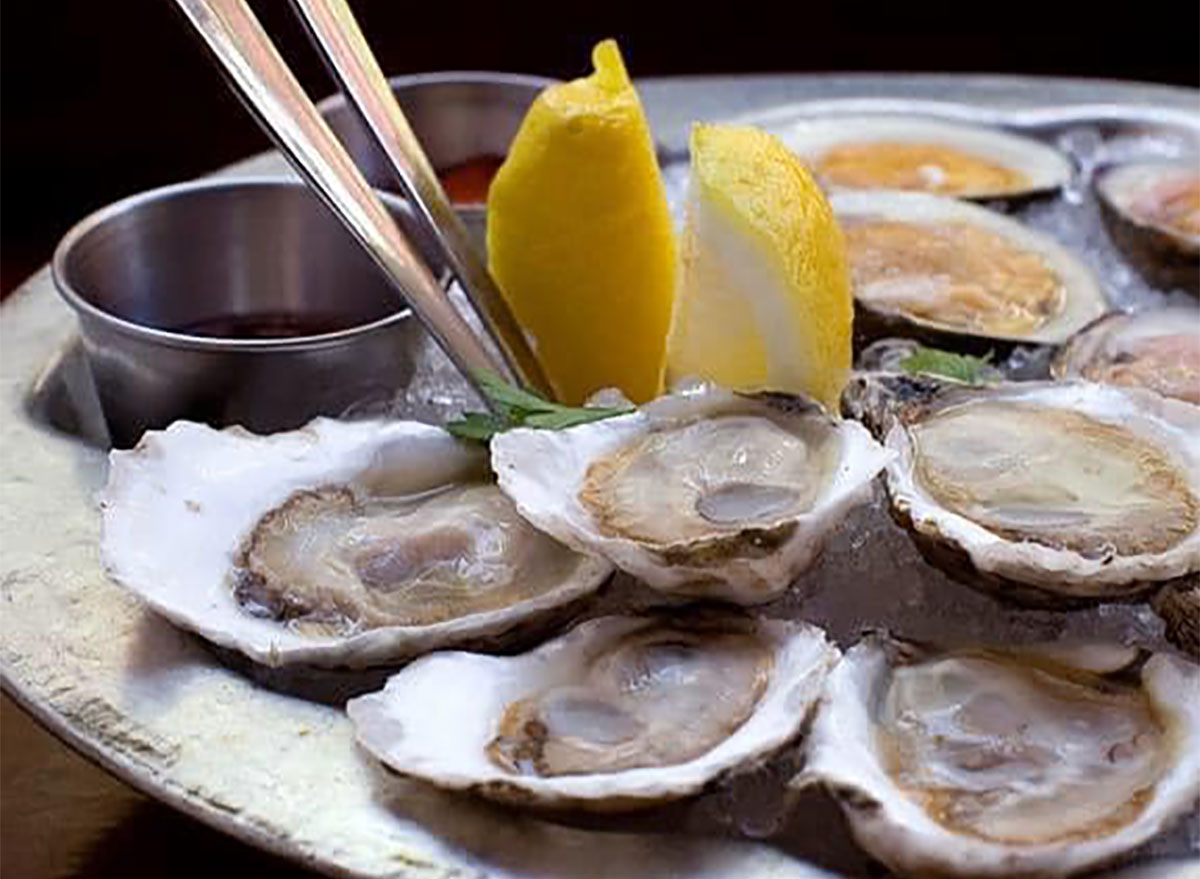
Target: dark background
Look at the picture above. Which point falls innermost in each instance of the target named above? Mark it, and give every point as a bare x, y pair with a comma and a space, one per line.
101, 98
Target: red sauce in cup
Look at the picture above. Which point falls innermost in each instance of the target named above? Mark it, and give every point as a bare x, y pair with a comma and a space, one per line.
468, 183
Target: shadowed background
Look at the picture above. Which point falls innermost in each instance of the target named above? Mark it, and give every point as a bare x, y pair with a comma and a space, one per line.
101, 99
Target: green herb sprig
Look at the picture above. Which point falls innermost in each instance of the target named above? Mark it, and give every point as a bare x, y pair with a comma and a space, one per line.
961, 368
517, 407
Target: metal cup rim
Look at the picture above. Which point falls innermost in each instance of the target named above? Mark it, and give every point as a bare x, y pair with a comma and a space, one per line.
448, 77
188, 341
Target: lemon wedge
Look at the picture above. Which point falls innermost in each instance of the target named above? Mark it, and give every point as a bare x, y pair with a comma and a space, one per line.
764, 298
580, 239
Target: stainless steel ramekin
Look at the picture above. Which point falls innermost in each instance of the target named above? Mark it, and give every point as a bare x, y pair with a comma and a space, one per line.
456, 116
154, 276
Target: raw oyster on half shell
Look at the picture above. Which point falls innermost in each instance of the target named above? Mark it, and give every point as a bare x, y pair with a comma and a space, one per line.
1152, 210
1045, 494
703, 492
923, 154
620, 713
1003, 761
339, 544
1158, 349
959, 275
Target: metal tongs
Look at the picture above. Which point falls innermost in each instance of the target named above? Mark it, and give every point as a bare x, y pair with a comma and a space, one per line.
267, 86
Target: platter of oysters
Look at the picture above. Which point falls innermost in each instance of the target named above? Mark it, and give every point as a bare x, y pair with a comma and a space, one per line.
895, 570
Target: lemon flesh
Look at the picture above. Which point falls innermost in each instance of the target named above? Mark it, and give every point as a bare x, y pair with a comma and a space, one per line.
580, 239
764, 299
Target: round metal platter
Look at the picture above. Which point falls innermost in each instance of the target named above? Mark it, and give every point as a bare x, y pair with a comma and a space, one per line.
158, 708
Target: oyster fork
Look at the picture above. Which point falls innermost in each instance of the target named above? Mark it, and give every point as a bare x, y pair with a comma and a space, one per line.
268, 88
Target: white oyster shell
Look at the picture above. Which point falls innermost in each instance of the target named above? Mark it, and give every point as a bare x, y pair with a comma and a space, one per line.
437, 718
1075, 783
1041, 167
747, 561
179, 507
1169, 426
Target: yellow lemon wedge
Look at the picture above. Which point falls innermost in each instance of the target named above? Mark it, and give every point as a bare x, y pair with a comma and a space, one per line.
580, 239
764, 298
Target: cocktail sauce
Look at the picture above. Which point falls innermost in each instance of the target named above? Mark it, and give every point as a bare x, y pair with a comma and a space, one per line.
468, 182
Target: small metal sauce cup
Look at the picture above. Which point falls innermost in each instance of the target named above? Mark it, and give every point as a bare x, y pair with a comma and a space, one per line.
149, 274
231, 301
457, 116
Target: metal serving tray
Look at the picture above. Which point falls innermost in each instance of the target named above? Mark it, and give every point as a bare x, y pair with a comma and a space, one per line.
159, 709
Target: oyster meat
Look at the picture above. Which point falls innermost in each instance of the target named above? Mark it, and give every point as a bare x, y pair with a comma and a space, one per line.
1157, 349
1001, 761
703, 492
343, 543
1050, 494
958, 274
914, 153
620, 713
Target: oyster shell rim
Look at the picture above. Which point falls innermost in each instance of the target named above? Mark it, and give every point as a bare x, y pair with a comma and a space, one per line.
1178, 606
790, 695
846, 766
267, 641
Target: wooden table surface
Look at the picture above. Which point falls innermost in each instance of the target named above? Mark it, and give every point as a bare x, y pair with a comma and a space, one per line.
63, 818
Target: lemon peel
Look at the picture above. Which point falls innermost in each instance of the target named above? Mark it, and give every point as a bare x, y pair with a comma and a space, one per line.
764, 298
580, 239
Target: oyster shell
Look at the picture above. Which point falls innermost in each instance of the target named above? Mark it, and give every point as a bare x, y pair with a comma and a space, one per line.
1152, 210
1000, 761
341, 544
620, 713
702, 492
1157, 349
959, 275
1044, 494
914, 153
1179, 606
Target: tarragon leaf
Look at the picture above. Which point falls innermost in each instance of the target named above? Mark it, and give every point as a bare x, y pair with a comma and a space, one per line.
510, 398
962, 368
517, 407
564, 417
480, 426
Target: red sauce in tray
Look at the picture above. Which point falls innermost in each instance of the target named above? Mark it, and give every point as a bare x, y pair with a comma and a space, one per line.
468, 183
